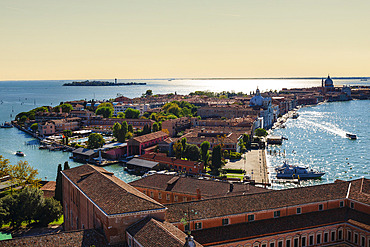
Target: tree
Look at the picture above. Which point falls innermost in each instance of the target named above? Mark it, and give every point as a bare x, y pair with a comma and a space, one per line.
31, 201
116, 129
121, 115
155, 127
95, 141
130, 128
67, 134
205, 151
66, 107
66, 166
216, 160
58, 187
22, 173
260, 132
177, 149
51, 211
34, 127
132, 114
192, 152
148, 92
13, 210
4, 166
123, 132
106, 112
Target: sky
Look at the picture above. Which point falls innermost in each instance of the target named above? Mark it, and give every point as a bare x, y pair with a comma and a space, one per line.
91, 39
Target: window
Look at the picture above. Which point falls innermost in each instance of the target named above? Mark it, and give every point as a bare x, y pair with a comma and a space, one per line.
311, 240
225, 222
363, 241
321, 207
168, 197
341, 204
349, 236
129, 242
352, 205
159, 195
356, 238
332, 236
198, 225
280, 244
318, 239
296, 241
187, 228
299, 210
263, 245
303, 241
176, 198
151, 194
144, 192
340, 234
276, 214
326, 237
287, 243
272, 244
185, 199
251, 217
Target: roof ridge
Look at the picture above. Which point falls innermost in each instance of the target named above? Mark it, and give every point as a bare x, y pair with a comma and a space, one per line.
165, 229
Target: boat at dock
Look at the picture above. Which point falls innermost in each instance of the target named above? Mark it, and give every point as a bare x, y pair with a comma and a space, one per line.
295, 115
297, 172
6, 125
19, 153
351, 136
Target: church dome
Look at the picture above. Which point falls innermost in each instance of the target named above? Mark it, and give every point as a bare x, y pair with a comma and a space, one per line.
329, 82
256, 100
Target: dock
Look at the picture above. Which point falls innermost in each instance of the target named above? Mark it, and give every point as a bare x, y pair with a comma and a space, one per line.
255, 165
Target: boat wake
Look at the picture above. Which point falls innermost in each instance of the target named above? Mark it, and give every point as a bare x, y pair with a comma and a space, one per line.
328, 127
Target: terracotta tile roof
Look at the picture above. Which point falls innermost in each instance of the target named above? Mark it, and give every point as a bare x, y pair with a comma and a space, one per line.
73, 238
111, 194
167, 160
255, 202
150, 232
360, 190
268, 227
49, 186
188, 185
149, 137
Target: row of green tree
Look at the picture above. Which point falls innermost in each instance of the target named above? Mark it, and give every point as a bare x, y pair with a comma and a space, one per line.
106, 110
30, 115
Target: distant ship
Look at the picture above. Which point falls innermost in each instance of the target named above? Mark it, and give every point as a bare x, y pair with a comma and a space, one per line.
19, 153
293, 172
102, 83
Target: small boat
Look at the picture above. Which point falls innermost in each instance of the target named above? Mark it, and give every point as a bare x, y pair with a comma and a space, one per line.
6, 125
351, 136
19, 153
293, 172
295, 115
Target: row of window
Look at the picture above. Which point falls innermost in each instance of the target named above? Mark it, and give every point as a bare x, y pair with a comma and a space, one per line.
168, 196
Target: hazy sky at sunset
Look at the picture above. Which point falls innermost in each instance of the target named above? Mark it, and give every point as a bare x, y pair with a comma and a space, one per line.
87, 39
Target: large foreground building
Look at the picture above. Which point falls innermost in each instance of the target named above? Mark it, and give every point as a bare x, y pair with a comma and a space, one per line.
101, 210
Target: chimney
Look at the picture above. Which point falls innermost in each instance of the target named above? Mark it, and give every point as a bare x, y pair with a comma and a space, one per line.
198, 194
231, 187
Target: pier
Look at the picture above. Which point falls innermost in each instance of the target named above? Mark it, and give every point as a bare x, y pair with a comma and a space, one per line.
254, 164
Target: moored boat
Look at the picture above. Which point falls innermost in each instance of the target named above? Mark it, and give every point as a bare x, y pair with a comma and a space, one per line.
292, 172
351, 136
6, 125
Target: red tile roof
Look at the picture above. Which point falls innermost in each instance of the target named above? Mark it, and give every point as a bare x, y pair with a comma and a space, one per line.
109, 193
188, 185
149, 137
150, 232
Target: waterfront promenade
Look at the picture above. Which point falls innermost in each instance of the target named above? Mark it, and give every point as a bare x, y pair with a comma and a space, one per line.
254, 163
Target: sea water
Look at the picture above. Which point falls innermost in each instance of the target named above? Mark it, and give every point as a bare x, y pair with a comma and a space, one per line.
18, 96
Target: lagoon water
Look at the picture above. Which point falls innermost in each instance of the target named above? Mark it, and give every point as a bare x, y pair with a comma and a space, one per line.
316, 138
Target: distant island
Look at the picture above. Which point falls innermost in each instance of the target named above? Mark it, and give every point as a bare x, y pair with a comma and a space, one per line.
102, 83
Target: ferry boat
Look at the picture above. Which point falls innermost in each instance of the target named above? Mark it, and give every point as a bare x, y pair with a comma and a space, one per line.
6, 125
293, 172
19, 153
351, 136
